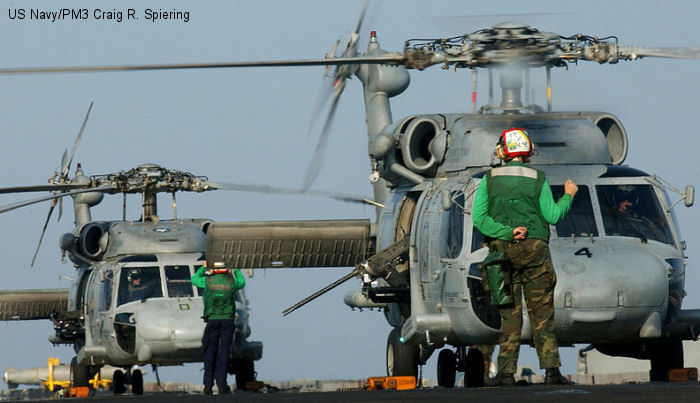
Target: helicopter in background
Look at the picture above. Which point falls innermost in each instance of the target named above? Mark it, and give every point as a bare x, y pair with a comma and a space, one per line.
437, 302
131, 301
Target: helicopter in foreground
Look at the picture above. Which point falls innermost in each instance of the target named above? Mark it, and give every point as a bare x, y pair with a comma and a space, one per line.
618, 254
620, 278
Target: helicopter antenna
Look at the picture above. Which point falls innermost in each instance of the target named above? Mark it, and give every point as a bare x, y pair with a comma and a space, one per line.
490, 86
474, 91
549, 88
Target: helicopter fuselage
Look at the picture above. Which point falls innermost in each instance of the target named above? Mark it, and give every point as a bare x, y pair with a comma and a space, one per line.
620, 277
152, 319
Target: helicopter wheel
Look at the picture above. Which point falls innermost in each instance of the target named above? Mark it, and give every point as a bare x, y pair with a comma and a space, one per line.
668, 356
474, 369
245, 372
137, 382
401, 359
446, 368
81, 373
118, 382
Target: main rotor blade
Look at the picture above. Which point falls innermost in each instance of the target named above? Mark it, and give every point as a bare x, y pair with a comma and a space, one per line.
43, 231
671, 53
41, 188
363, 13
390, 58
10, 207
66, 163
322, 98
276, 190
319, 154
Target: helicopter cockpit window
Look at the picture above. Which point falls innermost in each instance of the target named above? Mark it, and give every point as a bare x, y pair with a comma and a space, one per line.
455, 227
139, 283
477, 240
178, 280
580, 221
633, 211
107, 291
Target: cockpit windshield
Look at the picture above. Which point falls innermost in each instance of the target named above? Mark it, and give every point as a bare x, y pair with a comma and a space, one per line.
178, 280
580, 220
633, 211
139, 283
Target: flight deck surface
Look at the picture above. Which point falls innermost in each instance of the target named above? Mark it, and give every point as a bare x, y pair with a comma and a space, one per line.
650, 392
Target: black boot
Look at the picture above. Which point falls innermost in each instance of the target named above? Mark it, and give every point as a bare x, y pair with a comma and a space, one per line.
501, 380
554, 377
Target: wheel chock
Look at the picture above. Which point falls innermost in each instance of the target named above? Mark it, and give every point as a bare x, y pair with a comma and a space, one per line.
391, 382
79, 391
683, 375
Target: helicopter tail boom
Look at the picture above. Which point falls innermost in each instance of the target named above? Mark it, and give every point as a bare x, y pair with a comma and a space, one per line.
289, 244
32, 304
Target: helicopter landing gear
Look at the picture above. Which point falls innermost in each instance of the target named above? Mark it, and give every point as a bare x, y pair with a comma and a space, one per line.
470, 361
120, 379
473, 366
446, 368
137, 382
244, 370
668, 356
401, 359
80, 374
118, 382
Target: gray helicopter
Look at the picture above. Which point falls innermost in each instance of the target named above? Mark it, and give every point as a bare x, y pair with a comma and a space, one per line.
619, 256
131, 301
621, 278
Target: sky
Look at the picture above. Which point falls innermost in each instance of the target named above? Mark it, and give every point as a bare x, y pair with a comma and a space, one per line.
251, 126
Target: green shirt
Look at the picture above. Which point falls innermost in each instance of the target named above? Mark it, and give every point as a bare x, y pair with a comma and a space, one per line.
219, 292
550, 211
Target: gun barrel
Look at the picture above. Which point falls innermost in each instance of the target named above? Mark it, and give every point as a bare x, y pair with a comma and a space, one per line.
320, 292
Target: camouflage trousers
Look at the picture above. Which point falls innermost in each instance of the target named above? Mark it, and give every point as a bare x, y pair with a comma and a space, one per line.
534, 278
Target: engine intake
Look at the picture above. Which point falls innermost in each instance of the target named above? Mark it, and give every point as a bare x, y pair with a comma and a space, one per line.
423, 145
615, 135
92, 242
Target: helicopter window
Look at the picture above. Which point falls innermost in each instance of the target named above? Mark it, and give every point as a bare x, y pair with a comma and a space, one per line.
455, 227
107, 291
139, 283
580, 221
178, 280
633, 211
477, 240
139, 258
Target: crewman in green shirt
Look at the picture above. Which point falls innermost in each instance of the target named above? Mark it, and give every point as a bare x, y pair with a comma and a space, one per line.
513, 208
220, 285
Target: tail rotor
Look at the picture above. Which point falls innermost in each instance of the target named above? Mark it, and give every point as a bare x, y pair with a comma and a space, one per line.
61, 178
339, 76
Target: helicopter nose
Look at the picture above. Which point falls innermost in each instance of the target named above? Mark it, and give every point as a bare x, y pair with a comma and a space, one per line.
609, 292
172, 329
